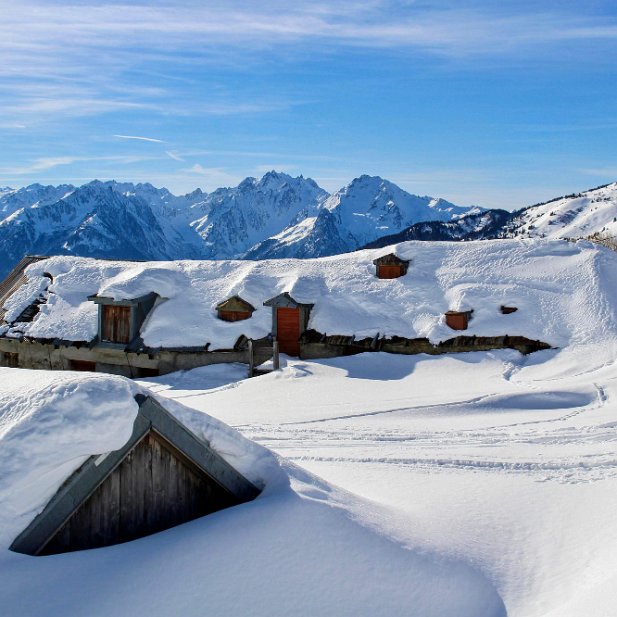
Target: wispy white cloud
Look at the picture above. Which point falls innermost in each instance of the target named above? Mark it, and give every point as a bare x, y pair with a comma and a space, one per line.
173, 155
151, 139
214, 176
51, 162
44, 77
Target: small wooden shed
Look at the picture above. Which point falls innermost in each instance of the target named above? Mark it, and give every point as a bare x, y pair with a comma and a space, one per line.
234, 309
458, 320
163, 476
390, 266
289, 320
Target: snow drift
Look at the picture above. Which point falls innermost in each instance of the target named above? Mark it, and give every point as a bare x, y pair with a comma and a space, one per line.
562, 291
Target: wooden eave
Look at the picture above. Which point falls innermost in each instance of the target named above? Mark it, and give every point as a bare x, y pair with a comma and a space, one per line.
127, 302
82, 484
391, 260
284, 300
235, 303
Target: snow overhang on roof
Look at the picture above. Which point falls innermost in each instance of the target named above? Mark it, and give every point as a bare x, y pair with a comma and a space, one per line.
125, 302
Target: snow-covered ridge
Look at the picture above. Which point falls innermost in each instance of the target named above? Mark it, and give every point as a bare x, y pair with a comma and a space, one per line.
563, 292
573, 216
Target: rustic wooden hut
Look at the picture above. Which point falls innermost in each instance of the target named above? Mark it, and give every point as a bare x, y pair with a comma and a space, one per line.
390, 266
234, 309
458, 320
162, 477
120, 320
289, 320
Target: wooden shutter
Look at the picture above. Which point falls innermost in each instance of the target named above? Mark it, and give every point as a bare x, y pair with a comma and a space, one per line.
116, 327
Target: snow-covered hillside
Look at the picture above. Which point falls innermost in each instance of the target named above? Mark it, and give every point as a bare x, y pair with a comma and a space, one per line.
573, 216
553, 284
127, 221
591, 213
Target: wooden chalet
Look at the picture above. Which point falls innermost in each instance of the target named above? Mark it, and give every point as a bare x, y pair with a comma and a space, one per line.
163, 476
234, 309
289, 321
390, 266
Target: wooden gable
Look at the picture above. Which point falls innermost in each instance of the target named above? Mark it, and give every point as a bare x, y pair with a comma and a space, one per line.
154, 488
234, 309
162, 477
390, 266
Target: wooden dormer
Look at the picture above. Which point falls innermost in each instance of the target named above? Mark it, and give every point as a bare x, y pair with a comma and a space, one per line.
120, 320
234, 309
390, 266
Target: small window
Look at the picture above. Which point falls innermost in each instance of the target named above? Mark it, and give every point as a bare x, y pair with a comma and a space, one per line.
82, 365
116, 324
11, 359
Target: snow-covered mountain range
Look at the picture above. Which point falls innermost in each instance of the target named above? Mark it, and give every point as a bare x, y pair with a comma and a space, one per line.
276, 215
272, 217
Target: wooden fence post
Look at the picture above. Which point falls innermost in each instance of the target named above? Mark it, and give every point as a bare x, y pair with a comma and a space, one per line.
275, 356
251, 358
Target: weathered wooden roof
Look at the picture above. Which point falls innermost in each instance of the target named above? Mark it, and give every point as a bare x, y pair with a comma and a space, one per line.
15, 279
235, 303
78, 488
284, 300
390, 260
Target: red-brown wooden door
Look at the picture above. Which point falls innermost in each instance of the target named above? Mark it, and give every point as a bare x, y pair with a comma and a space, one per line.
288, 330
116, 324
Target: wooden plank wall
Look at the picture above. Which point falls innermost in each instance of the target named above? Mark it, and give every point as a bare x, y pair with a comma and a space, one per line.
154, 488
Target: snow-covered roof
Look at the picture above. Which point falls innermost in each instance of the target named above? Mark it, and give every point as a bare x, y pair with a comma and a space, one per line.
51, 422
554, 284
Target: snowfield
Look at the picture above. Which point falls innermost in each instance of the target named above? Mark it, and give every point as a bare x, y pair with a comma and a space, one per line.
303, 547
480, 484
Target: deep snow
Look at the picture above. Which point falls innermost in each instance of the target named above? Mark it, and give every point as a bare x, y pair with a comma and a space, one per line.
302, 547
562, 290
470, 484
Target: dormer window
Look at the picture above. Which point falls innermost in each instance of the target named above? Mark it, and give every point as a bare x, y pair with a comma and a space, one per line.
390, 266
234, 309
120, 320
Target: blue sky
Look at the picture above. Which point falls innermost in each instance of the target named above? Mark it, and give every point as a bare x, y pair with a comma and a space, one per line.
497, 104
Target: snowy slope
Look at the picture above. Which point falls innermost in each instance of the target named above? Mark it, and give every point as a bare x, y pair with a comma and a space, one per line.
506, 462
591, 213
553, 283
366, 209
302, 547
574, 216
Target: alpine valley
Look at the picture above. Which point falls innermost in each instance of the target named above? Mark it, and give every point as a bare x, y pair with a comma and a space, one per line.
273, 217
